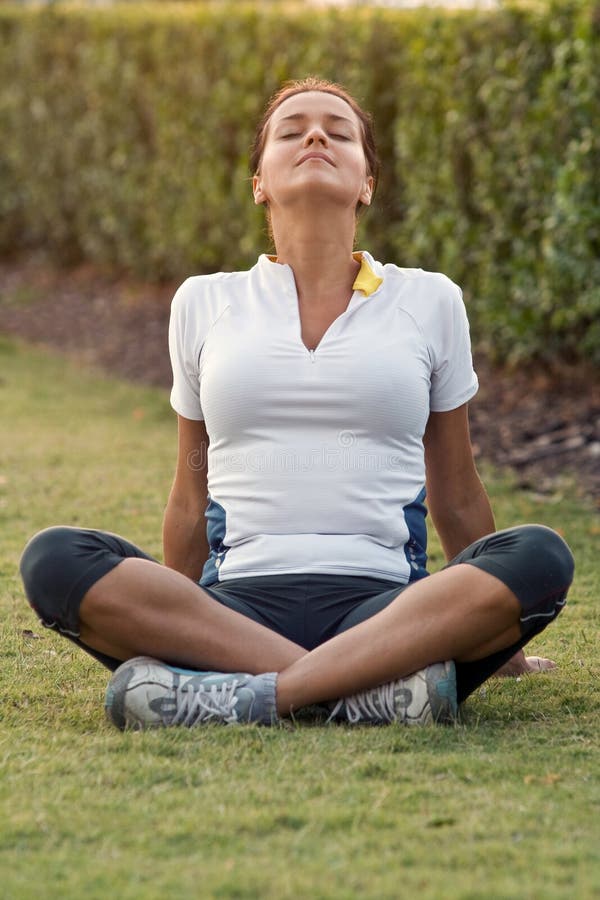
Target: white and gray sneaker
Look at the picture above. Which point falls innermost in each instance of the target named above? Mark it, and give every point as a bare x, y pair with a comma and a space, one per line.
424, 698
146, 693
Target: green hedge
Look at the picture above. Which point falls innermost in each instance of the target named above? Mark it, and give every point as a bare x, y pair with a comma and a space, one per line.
125, 136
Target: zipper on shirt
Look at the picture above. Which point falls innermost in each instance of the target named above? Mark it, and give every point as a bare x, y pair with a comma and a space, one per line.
312, 355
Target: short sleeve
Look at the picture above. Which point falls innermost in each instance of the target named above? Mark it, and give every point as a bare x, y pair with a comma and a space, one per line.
184, 349
453, 379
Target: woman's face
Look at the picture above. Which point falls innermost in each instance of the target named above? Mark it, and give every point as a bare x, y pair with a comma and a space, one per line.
313, 148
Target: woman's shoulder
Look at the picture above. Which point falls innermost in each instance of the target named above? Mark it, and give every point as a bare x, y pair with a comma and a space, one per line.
431, 298
423, 278
420, 289
196, 284
200, 290
395, 273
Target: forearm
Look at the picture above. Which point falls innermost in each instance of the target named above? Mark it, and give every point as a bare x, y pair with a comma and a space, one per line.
460, 523
185, 543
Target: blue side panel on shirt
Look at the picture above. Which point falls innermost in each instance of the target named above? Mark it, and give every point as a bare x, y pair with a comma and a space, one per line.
416, 546
215, 532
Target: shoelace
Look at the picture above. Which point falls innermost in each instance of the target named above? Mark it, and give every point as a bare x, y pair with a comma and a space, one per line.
376, 704
201, 704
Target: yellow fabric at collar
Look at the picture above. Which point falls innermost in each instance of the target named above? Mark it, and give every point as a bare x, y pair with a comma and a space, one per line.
366, 280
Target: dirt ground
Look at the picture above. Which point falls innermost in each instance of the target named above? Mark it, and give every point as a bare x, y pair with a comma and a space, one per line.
543, 425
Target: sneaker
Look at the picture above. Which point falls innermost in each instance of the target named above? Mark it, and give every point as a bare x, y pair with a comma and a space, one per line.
427, 697
146, 693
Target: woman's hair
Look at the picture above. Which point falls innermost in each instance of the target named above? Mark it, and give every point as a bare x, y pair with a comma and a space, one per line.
290, 89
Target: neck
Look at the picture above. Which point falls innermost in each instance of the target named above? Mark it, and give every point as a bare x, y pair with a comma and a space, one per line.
318, 251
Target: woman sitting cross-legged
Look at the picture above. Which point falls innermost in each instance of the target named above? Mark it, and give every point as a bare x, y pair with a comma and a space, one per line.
320, 395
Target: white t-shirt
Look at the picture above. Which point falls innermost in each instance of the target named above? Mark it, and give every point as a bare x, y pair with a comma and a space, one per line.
316, 460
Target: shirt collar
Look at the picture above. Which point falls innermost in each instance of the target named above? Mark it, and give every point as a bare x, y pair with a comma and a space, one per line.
366, 280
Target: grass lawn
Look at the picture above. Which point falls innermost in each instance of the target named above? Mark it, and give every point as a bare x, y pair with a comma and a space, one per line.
504, 805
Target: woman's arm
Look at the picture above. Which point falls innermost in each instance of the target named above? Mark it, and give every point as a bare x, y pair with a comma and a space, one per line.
184, 528
456, 498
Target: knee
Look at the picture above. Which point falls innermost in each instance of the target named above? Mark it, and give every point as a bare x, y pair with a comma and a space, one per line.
43, 565
549, 553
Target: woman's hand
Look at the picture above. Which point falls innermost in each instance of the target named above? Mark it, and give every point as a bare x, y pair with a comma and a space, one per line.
520, 664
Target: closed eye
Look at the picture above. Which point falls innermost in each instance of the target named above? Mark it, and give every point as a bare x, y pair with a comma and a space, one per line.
293, 134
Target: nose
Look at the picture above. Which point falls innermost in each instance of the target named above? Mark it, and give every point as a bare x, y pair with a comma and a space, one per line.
315, 135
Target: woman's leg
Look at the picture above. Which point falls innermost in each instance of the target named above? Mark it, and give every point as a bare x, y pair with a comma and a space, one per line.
116, 602
446, 616
423, 625
475, 609
538, 565
489, 601
155, 611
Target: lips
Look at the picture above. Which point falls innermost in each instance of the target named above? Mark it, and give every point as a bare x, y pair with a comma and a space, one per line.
314, 156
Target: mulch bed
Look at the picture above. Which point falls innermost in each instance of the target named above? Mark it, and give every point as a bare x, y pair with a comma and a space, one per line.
544, 426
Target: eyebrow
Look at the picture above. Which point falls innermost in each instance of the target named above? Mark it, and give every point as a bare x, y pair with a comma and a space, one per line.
333, 117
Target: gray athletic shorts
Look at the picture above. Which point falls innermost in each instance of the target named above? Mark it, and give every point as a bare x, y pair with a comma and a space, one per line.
60, 564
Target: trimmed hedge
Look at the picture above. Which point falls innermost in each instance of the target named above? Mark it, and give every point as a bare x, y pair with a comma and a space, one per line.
125, 137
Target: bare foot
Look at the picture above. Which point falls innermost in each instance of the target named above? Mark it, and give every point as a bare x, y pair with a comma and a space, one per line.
520, 664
